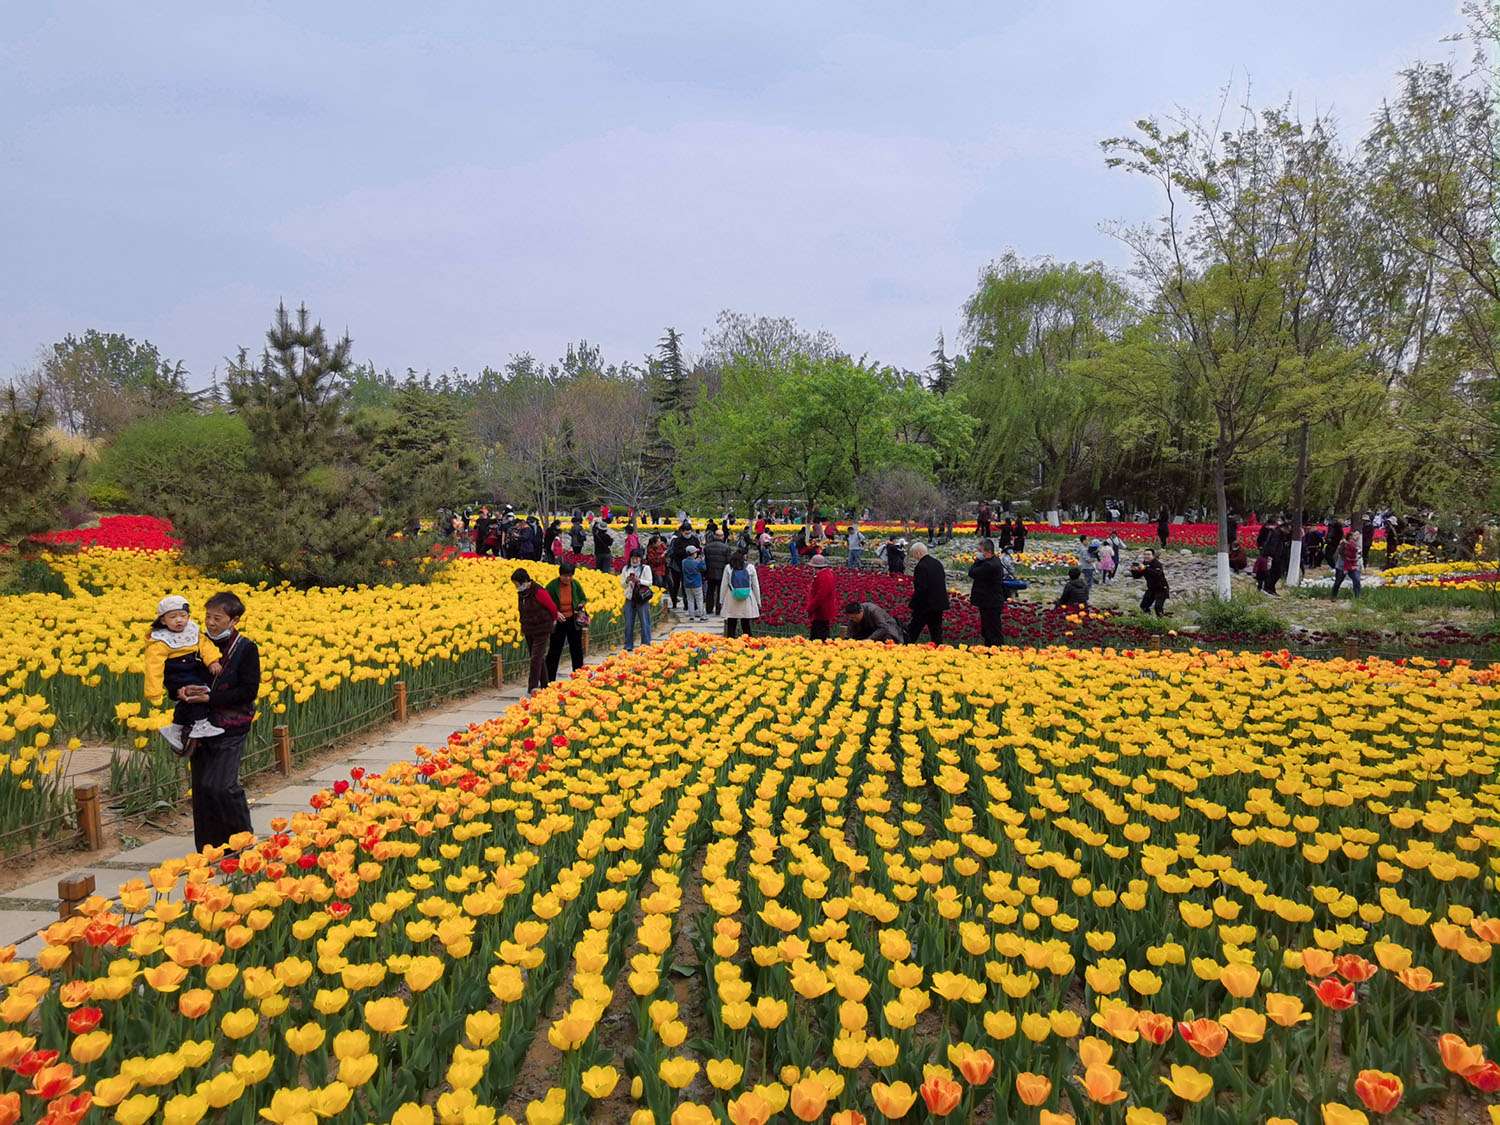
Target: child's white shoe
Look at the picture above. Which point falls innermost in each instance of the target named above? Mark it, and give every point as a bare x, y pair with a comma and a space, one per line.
205, 729
172, 732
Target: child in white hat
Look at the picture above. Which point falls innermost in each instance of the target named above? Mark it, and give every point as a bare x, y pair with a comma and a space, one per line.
178, 653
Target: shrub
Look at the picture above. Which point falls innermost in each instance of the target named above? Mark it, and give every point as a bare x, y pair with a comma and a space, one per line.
160, 464
1236, 617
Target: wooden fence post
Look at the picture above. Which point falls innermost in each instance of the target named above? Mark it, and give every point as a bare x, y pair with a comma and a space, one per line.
87, 799
1158, 642
398, 701
72, 890
281, 745
1351, 649
499, 670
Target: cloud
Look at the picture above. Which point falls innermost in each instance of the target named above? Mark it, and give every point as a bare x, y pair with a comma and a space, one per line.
618, 236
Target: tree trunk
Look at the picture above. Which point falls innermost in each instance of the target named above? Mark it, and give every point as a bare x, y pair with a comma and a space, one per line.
1299, 498
1221, 559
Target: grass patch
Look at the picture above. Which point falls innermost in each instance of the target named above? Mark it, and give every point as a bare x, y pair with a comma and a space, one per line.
1239, 614
1407, 599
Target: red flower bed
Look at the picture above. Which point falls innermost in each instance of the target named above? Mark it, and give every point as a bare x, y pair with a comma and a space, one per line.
138, 533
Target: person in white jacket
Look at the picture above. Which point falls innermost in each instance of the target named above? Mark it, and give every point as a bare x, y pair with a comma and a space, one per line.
739, 595
636, 580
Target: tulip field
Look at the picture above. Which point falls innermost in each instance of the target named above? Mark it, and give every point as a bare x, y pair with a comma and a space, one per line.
765, 880
72, 666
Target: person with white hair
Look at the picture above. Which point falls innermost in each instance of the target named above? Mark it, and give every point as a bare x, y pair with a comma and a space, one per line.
929, 595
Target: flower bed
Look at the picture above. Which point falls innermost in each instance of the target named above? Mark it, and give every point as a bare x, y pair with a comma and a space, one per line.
723, 881
133, 533
74, 665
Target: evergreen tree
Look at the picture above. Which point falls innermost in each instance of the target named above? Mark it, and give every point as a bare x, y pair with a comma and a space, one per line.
423, 454
34, 481
670, 376
942, 368
307, 508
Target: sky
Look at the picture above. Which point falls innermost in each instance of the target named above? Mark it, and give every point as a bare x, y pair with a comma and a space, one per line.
455, 183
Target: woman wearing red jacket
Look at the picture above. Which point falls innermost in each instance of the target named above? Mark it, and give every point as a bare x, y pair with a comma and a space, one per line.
822, 600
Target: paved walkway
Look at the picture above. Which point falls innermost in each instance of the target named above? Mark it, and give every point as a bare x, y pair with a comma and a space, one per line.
29, 908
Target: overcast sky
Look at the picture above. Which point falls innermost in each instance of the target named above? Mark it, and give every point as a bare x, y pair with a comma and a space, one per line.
456, 183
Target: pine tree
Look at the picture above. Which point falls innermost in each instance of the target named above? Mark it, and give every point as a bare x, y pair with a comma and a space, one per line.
34, 481
941, 369
307, 509
669, 384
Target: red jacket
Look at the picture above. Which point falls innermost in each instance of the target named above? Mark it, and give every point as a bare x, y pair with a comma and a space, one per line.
822, 597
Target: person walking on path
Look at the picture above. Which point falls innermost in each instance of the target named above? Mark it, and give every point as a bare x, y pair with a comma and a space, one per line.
693, 571
1075, 591
577, 537
1017, 535
1157, 590
220, 810
895, 555
856, 541
763, 541
929, 595
982, 520
1164, 527
866, 621
572, 619
1268, 563
1088, 559
988, 575
636, 580
739, 594
716, 554
538, 613
822, 600
1346, 563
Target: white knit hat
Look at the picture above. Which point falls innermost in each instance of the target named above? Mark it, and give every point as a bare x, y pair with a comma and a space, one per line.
171, 602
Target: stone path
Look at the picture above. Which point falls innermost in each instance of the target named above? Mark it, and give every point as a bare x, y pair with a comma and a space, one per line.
26, 909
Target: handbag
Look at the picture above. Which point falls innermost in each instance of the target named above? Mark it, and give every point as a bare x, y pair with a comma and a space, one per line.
1014, 584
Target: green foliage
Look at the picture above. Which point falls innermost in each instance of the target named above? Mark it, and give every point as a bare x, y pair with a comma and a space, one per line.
171, 462
306, 508
34, 576
421, 450
98, 383
35, 480
1030, 324
1236, 615
811, 427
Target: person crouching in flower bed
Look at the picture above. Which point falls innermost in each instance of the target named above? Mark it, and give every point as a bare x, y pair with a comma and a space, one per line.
822, 600
866, 621
538, 613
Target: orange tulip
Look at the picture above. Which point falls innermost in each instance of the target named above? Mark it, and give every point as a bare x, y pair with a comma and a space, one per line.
1354, 968
1205, 1036
1102, 1084
1379, 1090
1239, 980
1317, 962
1047, 1117
977, 1066
749, 1109
54, 1081
942, 1095
1336, 1113
1458, 1056
1154, 1027
809, 1099
894, 1100
1418, 979
1335, 994
1033, 1089
10, 1108
847, 1117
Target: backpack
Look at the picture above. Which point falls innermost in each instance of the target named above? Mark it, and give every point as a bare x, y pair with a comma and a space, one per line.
739, 583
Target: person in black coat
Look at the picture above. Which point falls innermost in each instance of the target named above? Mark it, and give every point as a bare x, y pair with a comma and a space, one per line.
1157, 590
716, 555
1017, 535
220, 810
929, 596
1075, 591
989, 593
1164, 527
